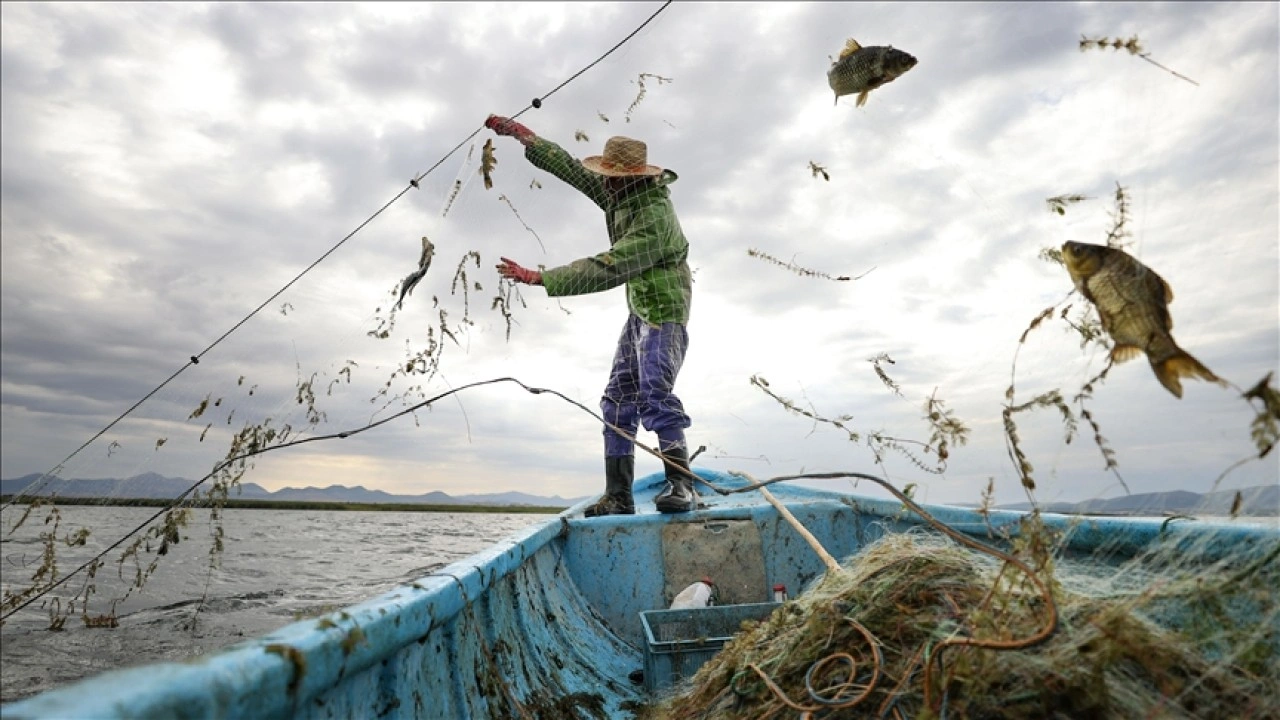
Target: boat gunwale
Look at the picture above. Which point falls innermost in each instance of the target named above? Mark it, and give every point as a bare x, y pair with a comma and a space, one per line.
273, 674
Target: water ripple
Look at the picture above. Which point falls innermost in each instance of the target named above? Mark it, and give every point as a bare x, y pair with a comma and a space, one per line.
277, 567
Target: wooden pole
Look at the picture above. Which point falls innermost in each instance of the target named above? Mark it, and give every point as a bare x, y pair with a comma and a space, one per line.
830, 562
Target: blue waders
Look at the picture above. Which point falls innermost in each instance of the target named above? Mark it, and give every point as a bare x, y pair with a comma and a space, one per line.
640, 391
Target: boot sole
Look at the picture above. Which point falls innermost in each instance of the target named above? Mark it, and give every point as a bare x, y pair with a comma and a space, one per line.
632, 511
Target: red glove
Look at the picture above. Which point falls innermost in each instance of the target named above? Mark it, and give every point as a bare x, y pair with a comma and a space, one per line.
513, 272
511, 128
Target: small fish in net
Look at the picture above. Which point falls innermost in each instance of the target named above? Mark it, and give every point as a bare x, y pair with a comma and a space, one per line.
424, 262
487, 163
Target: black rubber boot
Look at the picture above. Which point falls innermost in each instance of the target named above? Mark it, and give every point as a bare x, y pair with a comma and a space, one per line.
678, 496
619, 472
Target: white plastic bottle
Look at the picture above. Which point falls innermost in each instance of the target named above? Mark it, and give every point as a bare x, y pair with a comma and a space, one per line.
697, 595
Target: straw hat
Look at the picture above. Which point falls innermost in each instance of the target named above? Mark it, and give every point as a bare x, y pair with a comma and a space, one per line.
623, 157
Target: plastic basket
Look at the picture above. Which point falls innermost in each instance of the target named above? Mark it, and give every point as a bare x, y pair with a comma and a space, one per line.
678, 642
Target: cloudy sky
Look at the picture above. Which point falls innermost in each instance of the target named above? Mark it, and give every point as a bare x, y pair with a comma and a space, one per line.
167, 168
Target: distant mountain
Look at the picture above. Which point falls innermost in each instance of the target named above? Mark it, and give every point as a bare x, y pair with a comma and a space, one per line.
152, 485
1258, 501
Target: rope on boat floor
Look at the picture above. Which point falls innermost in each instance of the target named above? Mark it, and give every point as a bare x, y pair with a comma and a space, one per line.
933, 656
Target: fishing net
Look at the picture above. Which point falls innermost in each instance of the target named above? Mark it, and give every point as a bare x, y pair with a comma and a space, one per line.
430, 322
649, 254
917, 625
1168, 634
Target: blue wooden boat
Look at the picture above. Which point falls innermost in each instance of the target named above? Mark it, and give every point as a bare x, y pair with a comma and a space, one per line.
548, 623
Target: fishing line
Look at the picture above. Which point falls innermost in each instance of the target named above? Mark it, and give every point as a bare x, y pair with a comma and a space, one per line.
413, 184
177, 501
934, 658
537, 103
1003, 211
752, 485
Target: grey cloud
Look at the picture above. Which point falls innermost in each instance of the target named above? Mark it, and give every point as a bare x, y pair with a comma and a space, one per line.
954, 314
92, 36
733, 94
269, 44
19, 73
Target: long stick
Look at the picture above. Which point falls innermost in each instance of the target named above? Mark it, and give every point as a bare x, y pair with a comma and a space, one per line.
832, 566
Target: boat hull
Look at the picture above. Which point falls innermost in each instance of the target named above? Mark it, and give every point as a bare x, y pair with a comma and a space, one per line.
547, 623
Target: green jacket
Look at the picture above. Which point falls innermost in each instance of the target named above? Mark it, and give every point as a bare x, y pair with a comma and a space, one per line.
647, 249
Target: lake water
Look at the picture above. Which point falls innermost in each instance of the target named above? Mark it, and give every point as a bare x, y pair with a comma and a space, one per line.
278, 566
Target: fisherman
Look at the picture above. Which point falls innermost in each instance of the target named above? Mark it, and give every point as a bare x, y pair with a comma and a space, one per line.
648, 253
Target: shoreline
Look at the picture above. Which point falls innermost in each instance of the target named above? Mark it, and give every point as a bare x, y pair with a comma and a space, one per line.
249, 504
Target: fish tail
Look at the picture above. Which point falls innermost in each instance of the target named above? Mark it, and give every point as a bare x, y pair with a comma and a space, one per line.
1170, 370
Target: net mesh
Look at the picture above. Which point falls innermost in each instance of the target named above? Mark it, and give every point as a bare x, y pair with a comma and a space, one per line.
1183, 630
648, 254
197, 445
1177, 631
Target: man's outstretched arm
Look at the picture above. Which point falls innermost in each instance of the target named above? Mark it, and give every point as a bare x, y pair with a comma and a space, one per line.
546, 155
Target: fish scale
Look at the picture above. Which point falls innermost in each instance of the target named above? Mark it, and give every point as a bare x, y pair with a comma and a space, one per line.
1133, 304
863, 69
1124, 289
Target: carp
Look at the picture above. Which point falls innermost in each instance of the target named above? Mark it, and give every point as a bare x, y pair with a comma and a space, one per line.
1133, 305
863, 69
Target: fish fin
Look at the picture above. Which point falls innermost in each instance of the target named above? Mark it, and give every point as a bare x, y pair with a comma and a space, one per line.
1182, 365
862, 97
851, 46
1124, 353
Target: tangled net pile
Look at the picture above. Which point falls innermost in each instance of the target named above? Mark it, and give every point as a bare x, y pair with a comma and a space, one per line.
1149, 638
